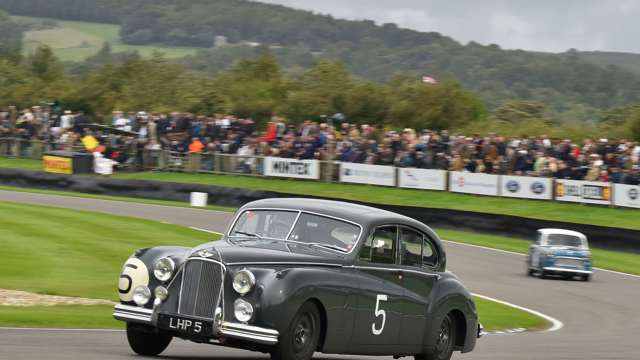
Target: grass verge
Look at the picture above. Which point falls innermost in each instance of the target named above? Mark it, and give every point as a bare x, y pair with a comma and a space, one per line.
626, 218
495, 317
77, 253
63, 316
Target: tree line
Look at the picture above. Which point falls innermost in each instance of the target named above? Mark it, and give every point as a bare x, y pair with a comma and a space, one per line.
572, 88
258, 88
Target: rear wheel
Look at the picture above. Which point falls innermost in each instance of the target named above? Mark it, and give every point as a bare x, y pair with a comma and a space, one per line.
585, 277
445, 341
301, 339
146, 340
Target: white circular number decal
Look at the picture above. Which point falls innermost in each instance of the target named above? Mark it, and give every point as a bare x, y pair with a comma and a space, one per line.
134, 274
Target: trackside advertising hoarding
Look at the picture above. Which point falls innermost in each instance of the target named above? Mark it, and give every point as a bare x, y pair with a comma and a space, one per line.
471, 183
367, 174
592, 192
626, 195
292, 168
426, 179
527, 187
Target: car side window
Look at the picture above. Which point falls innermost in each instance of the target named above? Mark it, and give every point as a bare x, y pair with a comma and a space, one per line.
429, 253
410, 247
380, 247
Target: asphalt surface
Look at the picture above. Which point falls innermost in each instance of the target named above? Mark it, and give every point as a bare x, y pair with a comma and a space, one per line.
601, 318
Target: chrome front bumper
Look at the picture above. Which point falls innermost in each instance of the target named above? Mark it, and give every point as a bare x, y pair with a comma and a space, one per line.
566, 270
226, 329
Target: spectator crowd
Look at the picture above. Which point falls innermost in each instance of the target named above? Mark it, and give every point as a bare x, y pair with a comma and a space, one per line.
183, 133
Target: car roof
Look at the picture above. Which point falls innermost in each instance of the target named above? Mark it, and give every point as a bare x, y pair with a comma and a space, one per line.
547, 231
360, 214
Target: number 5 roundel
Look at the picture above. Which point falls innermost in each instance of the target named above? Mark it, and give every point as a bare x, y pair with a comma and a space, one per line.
134, 274
379, 312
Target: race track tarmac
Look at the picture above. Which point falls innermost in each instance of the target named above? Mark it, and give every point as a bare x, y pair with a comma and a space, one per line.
601, 318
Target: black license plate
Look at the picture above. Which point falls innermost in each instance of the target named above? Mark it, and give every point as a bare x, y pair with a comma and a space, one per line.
185, 325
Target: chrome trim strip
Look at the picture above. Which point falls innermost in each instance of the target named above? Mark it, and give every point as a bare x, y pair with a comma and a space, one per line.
355, 245
283, 263
132, 314
399, 270
250, 333
569, 258
558, 269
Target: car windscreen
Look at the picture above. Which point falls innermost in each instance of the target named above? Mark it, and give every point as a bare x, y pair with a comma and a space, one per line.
327, 232
272, 224
564, 240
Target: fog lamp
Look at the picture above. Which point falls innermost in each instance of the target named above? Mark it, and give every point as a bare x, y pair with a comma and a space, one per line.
242, 310
141, 295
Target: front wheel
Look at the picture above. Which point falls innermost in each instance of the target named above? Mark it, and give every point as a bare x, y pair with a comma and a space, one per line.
147, 341
300, 340
445, 342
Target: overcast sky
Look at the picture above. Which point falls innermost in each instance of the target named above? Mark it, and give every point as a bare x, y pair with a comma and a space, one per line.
544, 25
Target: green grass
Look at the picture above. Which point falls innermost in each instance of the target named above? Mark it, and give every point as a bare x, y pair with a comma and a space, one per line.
63, 316
606, 259
77, 40
75, 253
24, 164
495, 316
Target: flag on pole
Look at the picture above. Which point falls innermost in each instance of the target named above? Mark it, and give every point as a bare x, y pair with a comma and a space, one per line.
429, 80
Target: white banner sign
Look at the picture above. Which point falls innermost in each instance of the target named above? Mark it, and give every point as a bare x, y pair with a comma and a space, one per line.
471, 183
527, 187
292, 168
427, 179
367, 174
626, 195
591, 192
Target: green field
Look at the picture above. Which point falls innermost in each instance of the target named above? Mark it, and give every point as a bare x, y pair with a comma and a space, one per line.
76, 253
77, 40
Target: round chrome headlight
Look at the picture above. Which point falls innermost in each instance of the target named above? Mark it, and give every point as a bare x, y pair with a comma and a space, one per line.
163, 268
243, 281
243, 310
141, 295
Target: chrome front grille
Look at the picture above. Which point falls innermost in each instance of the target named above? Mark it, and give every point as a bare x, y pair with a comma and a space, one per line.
201, 288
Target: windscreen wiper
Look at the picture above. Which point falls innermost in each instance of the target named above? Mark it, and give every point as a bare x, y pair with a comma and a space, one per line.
246, 234
327, 246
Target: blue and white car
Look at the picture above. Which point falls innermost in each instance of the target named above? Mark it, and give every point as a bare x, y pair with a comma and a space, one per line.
560, 252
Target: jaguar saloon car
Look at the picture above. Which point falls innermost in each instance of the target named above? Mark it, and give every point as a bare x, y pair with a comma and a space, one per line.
560, 252
296, 276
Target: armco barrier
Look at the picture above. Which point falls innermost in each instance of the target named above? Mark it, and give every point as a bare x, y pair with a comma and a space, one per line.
599, 236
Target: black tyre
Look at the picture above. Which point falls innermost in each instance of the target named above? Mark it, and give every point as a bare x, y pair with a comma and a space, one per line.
585, 277
445, 341
147, 341
543, 274
300, 340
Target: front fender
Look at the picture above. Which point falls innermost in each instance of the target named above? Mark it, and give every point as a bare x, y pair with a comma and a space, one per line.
138, 270
280, 292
